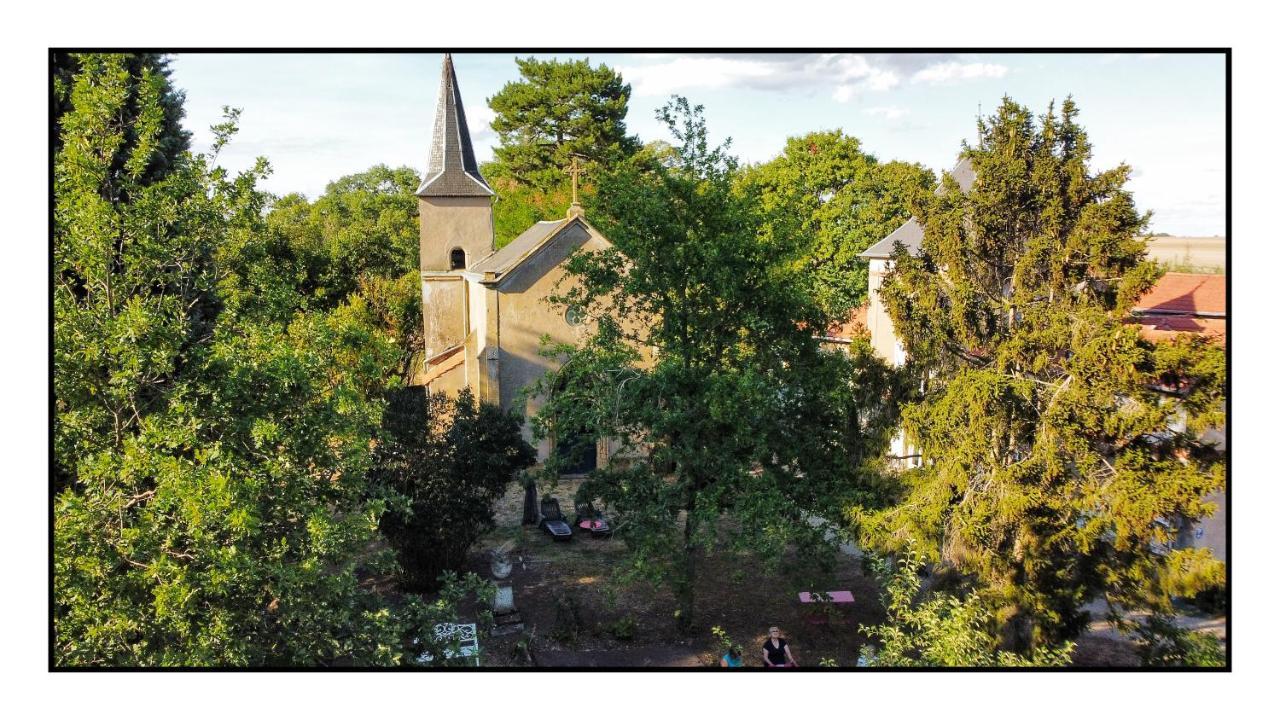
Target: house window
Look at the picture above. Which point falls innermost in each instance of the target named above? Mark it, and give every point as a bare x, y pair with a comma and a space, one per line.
457, 259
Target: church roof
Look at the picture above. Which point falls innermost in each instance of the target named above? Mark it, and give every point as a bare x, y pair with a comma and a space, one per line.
512, 253
451, 164
910, 233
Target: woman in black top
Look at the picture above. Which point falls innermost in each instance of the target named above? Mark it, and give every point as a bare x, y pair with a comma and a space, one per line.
777, 653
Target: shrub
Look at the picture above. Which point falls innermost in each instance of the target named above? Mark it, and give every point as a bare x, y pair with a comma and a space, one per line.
623, 629
444, 463
1161, 643
939, 629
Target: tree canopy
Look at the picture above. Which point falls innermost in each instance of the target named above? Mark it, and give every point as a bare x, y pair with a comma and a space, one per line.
739, 410
937, 629
559, 109
359, 238
843, 200
147, 88
451, 458
213, 423
234, 447
1053, 470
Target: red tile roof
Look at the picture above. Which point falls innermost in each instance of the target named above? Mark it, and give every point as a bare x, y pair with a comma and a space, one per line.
1186, 294
1184, 303
854, 326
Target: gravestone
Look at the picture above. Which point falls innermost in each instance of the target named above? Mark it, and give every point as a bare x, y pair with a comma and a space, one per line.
506, 619
530, 503
500, 561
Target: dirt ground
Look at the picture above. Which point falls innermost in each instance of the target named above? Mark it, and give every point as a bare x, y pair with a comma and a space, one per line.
577, 613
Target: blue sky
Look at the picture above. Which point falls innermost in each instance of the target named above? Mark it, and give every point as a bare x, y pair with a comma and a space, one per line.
318, 117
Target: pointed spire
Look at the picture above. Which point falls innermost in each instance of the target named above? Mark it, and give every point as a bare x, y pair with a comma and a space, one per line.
451, 164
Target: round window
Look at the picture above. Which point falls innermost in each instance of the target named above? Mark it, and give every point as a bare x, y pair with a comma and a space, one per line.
573, 315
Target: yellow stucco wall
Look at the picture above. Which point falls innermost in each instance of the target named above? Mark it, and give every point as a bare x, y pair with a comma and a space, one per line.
444, 304
883, 339
525, 315
448, 222
503, 324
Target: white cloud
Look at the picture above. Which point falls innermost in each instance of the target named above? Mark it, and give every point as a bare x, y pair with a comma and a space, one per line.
684, 72
479, 119
845, 75
950, 72
888, 112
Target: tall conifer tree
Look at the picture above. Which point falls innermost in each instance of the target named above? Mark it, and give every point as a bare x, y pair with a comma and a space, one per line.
1052, 475
559, 109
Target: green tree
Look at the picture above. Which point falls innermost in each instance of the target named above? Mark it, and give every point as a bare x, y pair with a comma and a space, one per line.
739, 410
133, 270
843, 199
149, 83
559, 109
213, 508
360, 238
1052, 470
940, 630
451, 459
556, 111
519, 206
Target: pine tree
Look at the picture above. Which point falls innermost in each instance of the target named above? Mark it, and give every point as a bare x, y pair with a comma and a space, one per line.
1052, 475
557, 110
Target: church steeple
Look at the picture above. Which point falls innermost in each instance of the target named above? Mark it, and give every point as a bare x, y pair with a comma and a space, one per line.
451, 164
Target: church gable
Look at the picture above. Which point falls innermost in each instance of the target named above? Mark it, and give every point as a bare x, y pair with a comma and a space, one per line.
535, 253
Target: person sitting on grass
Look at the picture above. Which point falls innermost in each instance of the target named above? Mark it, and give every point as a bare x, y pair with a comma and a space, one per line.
777, 653
732, 657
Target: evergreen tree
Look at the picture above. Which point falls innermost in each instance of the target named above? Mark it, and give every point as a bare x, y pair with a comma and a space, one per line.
1052, 475
451, 459
169, 143
935, 629
559, 109
844, 201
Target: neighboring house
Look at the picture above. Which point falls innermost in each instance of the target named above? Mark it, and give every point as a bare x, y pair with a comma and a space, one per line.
841, 335
1177, 304
880, 261
883, 339
1184, 303
485, 311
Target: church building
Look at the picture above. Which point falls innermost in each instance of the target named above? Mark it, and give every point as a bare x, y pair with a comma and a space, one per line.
485, 311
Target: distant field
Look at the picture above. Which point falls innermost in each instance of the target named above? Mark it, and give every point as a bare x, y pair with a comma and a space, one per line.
1201, 254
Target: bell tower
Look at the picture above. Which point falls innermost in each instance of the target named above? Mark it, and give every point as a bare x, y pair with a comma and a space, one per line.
455, 212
